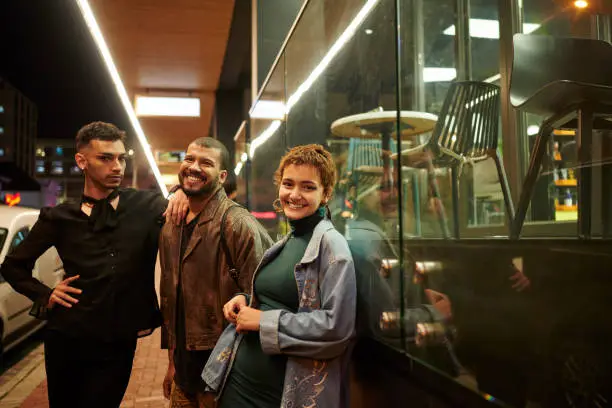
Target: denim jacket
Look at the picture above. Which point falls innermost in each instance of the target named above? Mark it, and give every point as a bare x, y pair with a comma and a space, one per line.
317, 339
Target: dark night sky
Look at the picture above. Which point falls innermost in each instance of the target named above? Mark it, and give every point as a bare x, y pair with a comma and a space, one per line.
48, 54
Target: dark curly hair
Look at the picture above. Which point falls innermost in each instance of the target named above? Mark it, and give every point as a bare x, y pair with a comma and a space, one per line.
98, 131
314, 155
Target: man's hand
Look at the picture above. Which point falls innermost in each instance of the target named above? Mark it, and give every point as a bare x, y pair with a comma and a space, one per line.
233, 307
521, 282
60, 294
248, 319
441, 302
168, 380
178, 205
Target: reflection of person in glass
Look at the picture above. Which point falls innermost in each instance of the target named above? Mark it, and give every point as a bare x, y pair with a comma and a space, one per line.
378, 283
299, 325
377, 263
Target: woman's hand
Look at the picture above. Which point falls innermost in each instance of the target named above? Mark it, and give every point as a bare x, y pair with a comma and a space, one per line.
248, 319
231, 308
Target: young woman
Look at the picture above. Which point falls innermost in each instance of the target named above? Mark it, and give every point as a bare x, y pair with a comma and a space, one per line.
296, 332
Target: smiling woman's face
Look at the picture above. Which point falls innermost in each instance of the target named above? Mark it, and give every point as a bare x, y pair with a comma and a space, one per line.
301, 192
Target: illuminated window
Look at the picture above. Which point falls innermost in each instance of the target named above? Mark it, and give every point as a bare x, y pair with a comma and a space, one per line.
1, 152
1, 130
57, 168
1, 109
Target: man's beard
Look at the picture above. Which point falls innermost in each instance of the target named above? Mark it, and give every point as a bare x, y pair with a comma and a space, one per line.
206, 190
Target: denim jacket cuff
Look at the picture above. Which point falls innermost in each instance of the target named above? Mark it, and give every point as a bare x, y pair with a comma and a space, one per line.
268, 331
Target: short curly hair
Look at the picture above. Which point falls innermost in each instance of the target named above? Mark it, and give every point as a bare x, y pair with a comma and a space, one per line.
311, 155
98, 131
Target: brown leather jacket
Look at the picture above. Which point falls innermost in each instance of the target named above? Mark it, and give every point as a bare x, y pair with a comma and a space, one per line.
205, 279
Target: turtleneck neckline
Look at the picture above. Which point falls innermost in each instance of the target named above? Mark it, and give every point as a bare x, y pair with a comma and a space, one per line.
306, 225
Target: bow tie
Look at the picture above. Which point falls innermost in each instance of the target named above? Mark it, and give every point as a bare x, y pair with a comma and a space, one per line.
103, 215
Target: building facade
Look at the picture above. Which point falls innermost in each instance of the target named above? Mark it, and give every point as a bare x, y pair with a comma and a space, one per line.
18, 128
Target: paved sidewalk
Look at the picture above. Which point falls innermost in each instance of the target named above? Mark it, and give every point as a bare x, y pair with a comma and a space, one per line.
25, 385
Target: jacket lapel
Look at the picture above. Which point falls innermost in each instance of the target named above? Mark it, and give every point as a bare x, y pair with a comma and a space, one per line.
193, 242
312, 250
206, 215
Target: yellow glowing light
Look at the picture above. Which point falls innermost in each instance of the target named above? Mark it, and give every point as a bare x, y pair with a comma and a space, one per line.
581, 4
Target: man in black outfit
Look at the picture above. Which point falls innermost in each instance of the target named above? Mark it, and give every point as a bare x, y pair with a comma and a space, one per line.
108, 244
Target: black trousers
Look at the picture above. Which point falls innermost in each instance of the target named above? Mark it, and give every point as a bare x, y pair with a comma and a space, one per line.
85, 373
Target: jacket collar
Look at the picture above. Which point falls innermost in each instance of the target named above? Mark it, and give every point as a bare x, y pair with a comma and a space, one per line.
213, 205
205, 216
312, 250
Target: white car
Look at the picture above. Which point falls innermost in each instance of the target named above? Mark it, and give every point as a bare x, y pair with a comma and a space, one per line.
16, 324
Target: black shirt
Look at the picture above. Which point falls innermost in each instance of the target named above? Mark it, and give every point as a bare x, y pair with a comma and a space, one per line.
187, 363
116, 267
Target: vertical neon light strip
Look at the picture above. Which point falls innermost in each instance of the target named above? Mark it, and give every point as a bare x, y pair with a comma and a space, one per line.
94, 29
346, 35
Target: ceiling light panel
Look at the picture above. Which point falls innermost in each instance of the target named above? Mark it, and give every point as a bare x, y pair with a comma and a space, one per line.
167, 106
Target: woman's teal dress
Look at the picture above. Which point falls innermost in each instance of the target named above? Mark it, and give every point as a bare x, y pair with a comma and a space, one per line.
256, 379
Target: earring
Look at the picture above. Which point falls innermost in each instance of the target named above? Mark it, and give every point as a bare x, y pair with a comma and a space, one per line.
277, 206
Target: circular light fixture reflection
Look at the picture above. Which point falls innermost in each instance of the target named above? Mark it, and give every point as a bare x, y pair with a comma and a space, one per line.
369, 31
581, 4
131, 152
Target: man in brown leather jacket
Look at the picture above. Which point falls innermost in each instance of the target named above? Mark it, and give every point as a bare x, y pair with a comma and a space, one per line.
196, 280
